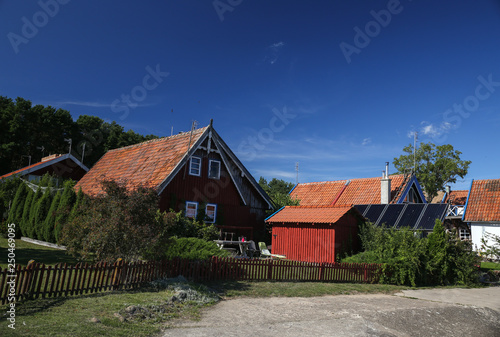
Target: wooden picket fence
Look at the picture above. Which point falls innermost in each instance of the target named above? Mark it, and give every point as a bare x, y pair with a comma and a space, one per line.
37, 280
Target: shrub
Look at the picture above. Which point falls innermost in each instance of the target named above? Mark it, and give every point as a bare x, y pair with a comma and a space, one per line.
119, 224
412, 260
193, 249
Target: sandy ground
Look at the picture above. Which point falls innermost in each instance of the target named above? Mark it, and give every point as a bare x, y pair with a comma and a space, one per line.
434, 312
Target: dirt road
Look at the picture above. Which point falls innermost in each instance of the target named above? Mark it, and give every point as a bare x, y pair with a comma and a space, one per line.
446, 312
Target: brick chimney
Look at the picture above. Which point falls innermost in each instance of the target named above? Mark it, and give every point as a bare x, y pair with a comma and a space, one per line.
50, 157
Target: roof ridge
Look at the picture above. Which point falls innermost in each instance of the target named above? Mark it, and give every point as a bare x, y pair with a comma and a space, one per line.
158, 139
344, 180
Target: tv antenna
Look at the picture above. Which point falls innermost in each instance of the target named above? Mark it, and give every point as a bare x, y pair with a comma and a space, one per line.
29, 159
297, 172
83, 150
415, 136
70, 141
42, 148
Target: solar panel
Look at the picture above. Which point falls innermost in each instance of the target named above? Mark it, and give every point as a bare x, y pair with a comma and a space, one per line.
374, 212
391, 215
361, 208
410, 215
432, 212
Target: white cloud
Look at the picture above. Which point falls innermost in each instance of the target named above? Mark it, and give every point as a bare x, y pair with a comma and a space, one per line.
98, 104
89, 104
273, 51
366, 141
433, 130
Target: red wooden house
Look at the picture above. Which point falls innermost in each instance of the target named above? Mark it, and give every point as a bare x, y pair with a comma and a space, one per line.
314, 234
192, 171
326, 223
62, 165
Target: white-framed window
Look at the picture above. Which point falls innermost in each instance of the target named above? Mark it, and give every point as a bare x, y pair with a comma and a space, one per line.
191, 209
195, 166
464, 234
214, 169
210, 213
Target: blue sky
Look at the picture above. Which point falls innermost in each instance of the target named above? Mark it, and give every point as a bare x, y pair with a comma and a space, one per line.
338, 86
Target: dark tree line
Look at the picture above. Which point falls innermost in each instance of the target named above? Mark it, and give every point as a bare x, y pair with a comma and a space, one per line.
25, 129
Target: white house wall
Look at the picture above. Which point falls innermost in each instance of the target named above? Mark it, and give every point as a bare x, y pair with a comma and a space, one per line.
479, 229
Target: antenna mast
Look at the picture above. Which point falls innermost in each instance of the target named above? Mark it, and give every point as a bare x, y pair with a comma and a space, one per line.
415, 134
297, 171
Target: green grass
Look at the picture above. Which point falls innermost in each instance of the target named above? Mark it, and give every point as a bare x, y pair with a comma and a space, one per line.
490, 266
26, 251
72, 316
299, 289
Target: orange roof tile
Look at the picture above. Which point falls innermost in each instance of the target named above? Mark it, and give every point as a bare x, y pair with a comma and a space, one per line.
46, 161
357, 192
484, 201
458, 197
308, 214
145, 164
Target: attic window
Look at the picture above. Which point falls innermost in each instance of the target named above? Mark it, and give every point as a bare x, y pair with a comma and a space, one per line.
210, 213
214, 169
191, 209
195, 166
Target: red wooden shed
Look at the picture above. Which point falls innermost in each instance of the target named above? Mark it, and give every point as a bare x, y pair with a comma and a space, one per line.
314, 234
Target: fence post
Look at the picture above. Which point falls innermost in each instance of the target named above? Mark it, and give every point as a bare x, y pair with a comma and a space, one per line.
270, 269
321, 271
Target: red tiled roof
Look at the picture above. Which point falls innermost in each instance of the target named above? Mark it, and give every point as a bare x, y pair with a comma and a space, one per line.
458, 197
47, 161
484, 201
308, 214
145, 164
357, 192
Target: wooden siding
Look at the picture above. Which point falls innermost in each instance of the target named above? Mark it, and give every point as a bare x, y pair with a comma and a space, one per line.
315, 243
231, 210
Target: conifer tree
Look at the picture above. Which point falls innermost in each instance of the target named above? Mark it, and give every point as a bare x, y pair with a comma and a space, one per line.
66, 202
30, 226
41, 211
50, 220
26, 211
80, 199
16, 211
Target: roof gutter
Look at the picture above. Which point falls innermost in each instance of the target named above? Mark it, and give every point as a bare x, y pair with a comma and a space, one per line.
467, 202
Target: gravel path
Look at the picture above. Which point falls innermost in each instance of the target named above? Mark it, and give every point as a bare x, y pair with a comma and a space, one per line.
353, 315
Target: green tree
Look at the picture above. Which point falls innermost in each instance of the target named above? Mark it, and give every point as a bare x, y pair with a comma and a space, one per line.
50, 220
16, 211
41, 210
26, 212
31, 224
435, 166
278, 190
64, 207
119, 224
